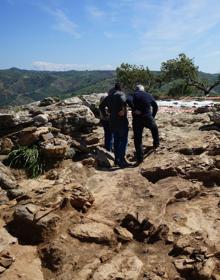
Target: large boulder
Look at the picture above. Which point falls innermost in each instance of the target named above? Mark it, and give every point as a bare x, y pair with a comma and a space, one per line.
125, 265
72, 120
31, 223
215, 117
92, 101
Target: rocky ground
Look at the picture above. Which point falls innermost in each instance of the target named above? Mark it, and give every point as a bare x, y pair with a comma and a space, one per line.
85, 219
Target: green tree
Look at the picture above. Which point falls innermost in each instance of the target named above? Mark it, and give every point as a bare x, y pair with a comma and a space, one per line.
131, 75
181, 67
204, 85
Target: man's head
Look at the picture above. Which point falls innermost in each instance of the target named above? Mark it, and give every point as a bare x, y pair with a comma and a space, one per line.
117, 86
139, 87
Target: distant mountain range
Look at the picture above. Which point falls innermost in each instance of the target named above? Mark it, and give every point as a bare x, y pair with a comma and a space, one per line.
24, 86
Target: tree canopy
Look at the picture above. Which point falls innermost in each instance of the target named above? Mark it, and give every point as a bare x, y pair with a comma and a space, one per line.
184, 68
181, 67
131, 75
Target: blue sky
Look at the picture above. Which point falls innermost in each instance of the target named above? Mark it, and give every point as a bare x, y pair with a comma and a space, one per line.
101, 34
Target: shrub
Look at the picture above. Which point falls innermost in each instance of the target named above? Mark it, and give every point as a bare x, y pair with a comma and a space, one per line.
28, 158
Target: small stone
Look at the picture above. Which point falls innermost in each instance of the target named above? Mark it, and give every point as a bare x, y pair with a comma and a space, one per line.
40, 119
6, 145
123, 234
2, 269
89, 161
14, 193
47, 136
6, 259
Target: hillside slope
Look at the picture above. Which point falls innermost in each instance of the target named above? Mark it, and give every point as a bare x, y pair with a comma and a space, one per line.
24, 86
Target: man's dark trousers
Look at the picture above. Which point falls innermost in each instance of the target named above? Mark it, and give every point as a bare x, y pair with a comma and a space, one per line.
139, 123
120, 143
108, 135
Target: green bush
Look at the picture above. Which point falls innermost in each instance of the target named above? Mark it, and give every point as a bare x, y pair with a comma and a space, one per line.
28, 158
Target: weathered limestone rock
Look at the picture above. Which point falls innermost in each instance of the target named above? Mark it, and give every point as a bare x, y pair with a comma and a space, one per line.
7, 120
52, 256
186, 245
207, 269
184, 266
30, 135
54, 148
40, 119
75, 100
104, 158
123, 234
6, 145
80, 198
203, 109
31, 222
79, 147
47, 101
77, 118
7, 180
14, 193
92, 101
89, 162
6, 259
6, 239
165, 165
215, 117
124, 265
93, 232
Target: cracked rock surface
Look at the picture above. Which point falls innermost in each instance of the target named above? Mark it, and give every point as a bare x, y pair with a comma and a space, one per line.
84, 219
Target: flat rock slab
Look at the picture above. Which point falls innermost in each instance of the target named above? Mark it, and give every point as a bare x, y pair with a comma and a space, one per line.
93, 232
125, 265
6, 239
27, 264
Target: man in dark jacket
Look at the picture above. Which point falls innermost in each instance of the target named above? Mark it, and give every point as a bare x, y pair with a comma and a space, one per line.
116, 104
144, 110
108, 135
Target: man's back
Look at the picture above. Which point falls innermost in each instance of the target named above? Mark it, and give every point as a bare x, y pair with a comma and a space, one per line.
116, 103
143, 101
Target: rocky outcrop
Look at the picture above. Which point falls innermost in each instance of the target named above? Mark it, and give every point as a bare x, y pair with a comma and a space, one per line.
215, 117
87, 219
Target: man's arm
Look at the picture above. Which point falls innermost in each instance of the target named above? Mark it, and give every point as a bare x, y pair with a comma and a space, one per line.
154, 107
123, 102
130, 102
103, 105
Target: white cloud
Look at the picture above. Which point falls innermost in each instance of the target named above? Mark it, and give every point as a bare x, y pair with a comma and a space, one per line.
95, 12
49, 66
63, 22
170, 27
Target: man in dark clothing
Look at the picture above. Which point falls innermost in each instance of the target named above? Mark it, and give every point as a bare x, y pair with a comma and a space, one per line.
108, 135
116, 104
144, 110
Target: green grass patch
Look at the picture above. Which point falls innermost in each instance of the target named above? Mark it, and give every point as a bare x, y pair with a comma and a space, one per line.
28, 158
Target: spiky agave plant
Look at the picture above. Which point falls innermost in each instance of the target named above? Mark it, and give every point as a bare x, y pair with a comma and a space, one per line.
28, 158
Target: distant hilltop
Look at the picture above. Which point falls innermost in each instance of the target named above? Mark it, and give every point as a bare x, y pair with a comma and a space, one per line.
24, 86
19, 87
